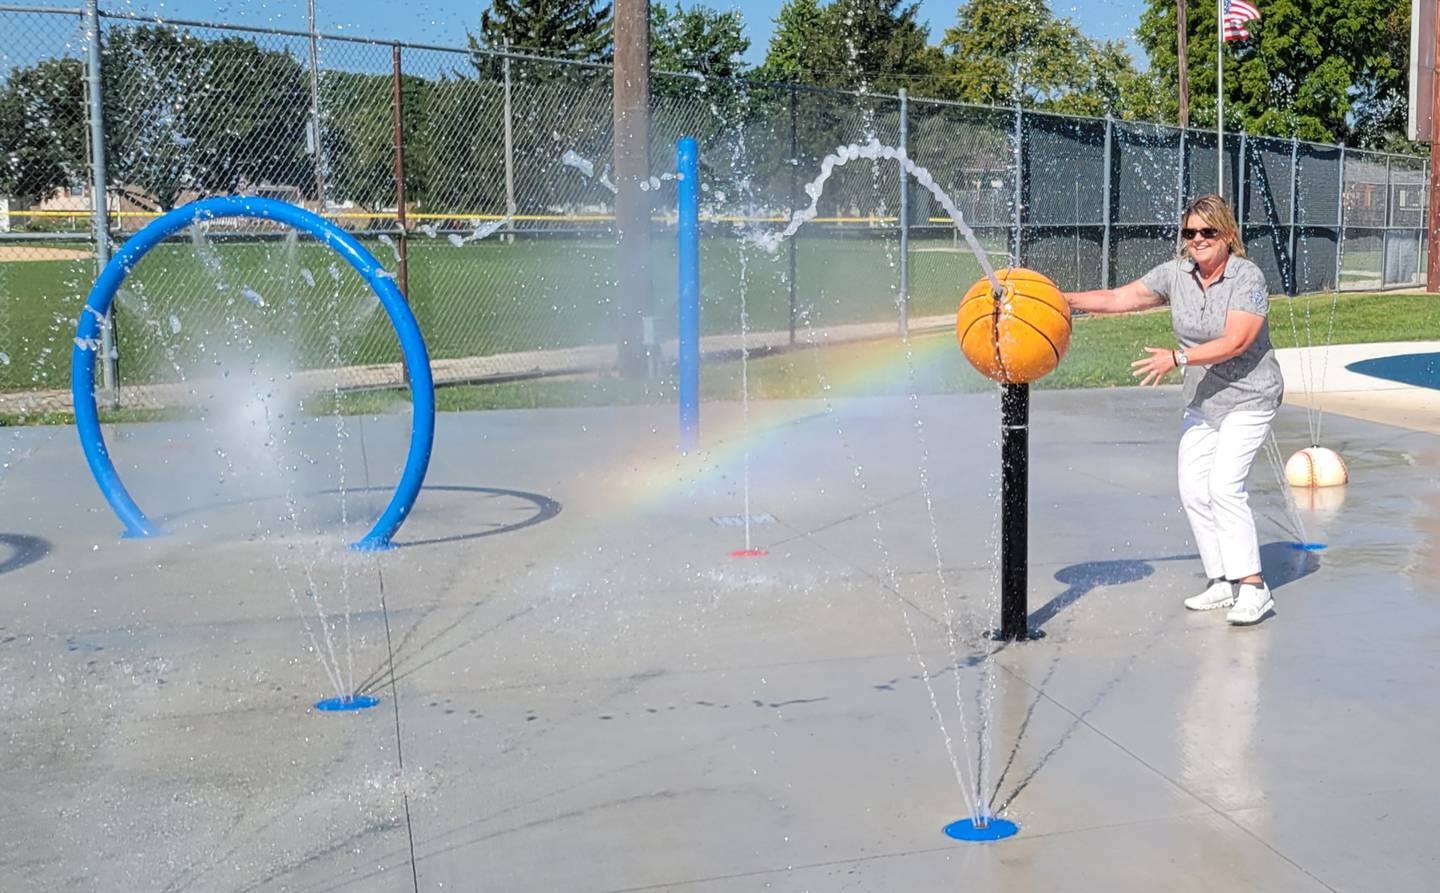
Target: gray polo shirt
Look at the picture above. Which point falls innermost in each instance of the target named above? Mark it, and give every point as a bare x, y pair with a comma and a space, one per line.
1249, 381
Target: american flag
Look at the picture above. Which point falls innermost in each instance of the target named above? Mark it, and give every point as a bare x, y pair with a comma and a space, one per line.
1237, 13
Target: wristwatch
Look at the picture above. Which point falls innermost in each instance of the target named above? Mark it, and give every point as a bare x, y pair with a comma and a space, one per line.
1181, 360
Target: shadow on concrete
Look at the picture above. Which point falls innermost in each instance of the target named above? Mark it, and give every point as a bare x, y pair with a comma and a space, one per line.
22, 549
545, 509
1422, 370
1282, 563
1082, 578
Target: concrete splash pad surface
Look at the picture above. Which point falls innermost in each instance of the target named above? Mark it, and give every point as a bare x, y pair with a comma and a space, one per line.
592, 695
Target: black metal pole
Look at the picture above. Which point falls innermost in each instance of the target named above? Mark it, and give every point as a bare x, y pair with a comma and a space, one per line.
1014, 508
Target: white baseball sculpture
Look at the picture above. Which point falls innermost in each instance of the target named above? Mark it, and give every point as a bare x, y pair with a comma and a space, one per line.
1316, 467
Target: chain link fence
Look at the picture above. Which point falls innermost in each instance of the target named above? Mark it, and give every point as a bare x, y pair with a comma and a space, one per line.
504, 240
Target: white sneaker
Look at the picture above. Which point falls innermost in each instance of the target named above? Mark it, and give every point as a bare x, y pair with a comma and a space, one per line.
1251, 605
1221, 594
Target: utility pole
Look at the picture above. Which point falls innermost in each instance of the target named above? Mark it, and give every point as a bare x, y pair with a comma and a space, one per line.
1220, 98
1432, 230
632, 203
1181, 29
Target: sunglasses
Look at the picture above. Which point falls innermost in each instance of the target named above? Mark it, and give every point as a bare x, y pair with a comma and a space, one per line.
1208, 232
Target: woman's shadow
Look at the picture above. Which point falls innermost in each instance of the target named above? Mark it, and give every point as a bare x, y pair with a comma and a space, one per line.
1280, 562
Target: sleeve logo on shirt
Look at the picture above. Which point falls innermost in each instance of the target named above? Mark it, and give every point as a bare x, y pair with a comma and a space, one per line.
1257, 298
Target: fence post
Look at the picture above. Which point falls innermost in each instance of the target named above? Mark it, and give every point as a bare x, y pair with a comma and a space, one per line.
316, 140
1018, 197
1340, 220
1105, 209
1389, 189
1242, 177
1430, 234
1294, 192
1421, 274
1388, 219
904, 219
790, 242
100, 214
509, 151
397, 112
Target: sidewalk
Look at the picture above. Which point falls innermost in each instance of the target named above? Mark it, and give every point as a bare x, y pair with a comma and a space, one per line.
1318, 377
479, 369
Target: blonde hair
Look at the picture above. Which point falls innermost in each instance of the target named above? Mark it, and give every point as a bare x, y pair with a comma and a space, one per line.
1214, 211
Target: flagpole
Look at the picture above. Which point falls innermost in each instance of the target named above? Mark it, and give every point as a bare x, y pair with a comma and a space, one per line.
1182, 54
1220, 98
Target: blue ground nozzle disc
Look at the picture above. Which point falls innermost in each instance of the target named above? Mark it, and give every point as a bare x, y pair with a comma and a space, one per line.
349, 702
1308, 547
995, 829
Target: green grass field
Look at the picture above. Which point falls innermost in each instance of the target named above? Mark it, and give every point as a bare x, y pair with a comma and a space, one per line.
178, 314
1101, 349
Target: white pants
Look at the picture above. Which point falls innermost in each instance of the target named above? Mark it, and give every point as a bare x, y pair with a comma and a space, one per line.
1214, 462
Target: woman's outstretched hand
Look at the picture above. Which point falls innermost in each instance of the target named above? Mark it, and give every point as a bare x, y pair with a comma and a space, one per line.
1154, 367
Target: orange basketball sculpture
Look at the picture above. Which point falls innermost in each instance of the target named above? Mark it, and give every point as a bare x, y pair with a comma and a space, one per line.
1018, 336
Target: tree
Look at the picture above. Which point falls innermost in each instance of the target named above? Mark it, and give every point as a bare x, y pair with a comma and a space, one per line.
1384, 99
249, 117
150, 76
1326, 71
360, 140
875, 43
850, 44
1004, 52
186, 114
43, 129
568, 29
799, 27
1117, 88
554, 106
697, 41
461, 162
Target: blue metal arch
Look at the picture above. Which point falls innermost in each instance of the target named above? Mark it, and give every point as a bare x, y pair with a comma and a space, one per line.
102, 296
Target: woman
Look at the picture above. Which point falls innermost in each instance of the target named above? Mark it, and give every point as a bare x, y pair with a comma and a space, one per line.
1233, 387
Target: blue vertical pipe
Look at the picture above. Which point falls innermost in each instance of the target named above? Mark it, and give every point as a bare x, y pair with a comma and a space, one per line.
688, 167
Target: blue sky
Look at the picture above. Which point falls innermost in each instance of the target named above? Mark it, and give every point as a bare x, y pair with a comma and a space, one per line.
445, 22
